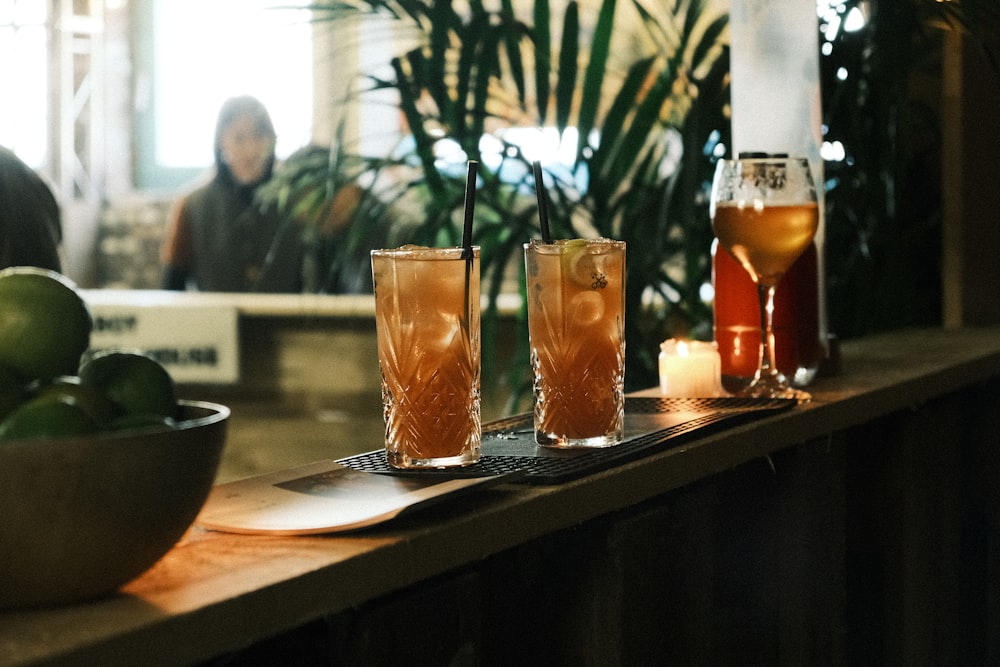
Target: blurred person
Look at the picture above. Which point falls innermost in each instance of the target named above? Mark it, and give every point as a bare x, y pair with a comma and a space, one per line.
218, 238
30, 220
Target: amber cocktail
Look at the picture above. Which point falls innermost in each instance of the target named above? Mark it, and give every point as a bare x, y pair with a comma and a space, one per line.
576, 325
427, 318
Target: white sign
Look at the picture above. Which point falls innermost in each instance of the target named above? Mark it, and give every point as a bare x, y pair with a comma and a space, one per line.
197, 344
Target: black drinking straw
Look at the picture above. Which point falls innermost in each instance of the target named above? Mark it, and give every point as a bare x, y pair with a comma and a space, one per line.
467, 253
543, 209
470, 207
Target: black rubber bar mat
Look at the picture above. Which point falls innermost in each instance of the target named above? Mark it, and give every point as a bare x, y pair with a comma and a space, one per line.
651, 425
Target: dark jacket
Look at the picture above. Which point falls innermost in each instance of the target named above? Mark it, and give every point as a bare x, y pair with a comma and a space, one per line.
30, 226
220, 241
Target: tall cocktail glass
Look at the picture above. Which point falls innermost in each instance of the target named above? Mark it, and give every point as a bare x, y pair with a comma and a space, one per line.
427, 319
576, 326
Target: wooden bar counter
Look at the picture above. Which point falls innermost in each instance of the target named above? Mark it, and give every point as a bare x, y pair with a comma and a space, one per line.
861, 527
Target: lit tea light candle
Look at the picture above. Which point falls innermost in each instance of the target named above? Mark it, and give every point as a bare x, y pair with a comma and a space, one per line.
690, 369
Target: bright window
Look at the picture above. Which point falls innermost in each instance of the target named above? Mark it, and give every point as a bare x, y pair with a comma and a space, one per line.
24, 79
201, 52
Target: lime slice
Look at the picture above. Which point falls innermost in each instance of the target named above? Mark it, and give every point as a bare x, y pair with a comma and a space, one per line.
579, 265
586, 308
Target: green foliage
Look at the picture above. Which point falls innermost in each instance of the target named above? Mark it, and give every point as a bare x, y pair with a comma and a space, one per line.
645, 125
643, 84
884, 200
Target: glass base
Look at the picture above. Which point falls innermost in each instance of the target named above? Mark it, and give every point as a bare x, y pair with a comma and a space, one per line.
562, 442
773, 386
404, 462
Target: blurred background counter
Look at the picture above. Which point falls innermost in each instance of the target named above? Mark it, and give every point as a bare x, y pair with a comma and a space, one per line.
305, 381
306, 386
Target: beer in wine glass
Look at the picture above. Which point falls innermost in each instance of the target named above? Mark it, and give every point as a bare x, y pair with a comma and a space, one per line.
764, 212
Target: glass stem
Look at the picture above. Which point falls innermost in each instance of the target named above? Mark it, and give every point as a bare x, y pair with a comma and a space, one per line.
768, 366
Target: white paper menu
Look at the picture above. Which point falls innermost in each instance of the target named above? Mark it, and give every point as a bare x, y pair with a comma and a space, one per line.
323, 497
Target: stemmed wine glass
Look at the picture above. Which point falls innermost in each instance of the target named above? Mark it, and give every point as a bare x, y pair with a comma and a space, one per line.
764, 212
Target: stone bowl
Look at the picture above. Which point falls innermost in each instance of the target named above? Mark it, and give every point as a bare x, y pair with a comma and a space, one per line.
81, 516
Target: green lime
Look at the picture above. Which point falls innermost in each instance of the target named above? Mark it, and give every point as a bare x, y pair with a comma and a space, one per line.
9, 379
137, 384
44, 323
92, 400
12, 392
139, 422
46, 417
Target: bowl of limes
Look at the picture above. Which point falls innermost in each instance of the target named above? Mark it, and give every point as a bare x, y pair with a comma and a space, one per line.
102, 467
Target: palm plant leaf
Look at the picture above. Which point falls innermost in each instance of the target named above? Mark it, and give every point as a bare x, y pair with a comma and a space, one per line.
512, 46
442, 23
468, 74
622, 108
409, 93
709, 43
543, 57
593, 82
487, 43
569, 51
646, 116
